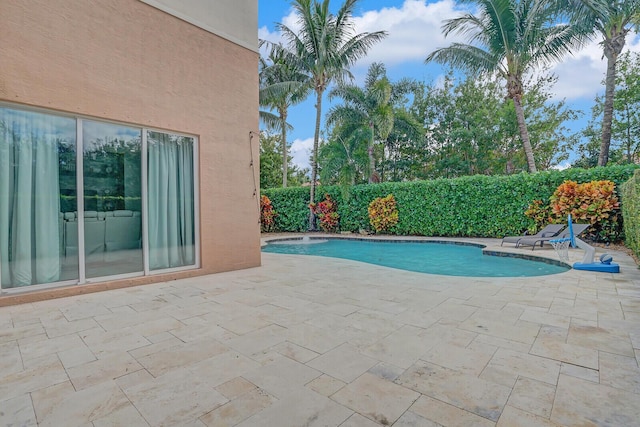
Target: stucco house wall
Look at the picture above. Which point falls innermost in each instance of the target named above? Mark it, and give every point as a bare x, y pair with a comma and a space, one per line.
130, 61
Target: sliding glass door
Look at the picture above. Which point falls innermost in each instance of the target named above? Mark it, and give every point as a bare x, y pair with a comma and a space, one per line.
37, 161
48, 234
112, 220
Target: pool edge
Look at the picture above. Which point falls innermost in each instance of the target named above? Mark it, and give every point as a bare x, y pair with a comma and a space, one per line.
424, 239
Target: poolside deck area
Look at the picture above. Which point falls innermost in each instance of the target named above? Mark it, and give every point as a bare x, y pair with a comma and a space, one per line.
312, 341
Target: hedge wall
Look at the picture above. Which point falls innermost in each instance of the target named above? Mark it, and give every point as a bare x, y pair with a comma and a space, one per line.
631, 212
473, 206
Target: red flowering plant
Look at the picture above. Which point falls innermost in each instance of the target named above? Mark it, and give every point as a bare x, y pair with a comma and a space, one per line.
326, 211
267, 215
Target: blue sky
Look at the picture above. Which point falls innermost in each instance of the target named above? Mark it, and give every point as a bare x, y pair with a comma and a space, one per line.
414, 28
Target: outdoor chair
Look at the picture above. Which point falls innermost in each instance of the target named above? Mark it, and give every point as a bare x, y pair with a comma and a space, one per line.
578, 229
551, 230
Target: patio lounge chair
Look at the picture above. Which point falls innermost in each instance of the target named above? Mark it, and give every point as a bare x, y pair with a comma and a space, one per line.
578, 229
550, 230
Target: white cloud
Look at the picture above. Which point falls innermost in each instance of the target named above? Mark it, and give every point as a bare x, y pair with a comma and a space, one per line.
275, 36
582, 74
562, 166
300, 151
414, 30
265, 34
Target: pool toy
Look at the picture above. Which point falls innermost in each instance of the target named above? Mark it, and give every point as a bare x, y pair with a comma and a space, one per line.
604, 266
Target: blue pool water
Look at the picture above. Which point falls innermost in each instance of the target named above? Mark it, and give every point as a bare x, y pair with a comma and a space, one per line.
424, 257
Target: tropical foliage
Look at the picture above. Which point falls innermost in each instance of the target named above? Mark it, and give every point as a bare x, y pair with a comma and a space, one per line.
471, 129
625, 125
630, 207
474, 206
612, 20
324, 48
326, 212
267, 214
509, 38
271, 164
368, 114
456, 132
383, 213
281, 86
595, 203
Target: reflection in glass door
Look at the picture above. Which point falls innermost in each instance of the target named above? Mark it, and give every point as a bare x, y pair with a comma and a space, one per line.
112, 220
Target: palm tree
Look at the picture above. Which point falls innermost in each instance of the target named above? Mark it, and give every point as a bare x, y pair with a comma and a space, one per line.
513, 37
371, 108
368, 108
612, 19
344, 160
281, 86
324, 48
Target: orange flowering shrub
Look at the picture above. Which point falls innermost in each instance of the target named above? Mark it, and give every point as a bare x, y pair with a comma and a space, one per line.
326, 213
267, 215
592, 202
383, 213
588, 202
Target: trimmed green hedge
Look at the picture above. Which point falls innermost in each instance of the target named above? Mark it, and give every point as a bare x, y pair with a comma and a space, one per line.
631, 212
473, 206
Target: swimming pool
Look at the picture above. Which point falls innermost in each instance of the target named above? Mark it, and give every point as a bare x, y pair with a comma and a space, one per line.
446, 258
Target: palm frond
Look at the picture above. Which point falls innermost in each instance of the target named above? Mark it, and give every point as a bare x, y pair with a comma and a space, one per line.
272, 121
466, 57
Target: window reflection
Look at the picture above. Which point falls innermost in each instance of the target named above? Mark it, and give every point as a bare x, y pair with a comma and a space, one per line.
112, 199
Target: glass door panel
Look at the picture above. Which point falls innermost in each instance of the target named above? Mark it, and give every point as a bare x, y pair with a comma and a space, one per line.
37, 187
112, 199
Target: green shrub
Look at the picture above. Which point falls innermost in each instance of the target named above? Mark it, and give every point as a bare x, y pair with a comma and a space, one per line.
383, 213
292, 205
474, 206
540, 213
631, 212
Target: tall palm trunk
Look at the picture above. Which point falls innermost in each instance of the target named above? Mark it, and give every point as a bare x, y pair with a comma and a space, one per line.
524, 134
607, 118
372, 162
314, 159
285, 153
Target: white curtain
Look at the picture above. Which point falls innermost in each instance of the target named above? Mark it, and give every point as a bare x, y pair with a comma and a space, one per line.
29, 199
171, 198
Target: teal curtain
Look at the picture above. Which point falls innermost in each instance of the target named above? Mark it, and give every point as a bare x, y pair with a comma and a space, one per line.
170, 201
29, 198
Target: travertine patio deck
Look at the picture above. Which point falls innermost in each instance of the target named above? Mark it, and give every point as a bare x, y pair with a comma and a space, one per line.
321, 342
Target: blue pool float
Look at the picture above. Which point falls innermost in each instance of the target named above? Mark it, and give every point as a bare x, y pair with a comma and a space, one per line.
604, 266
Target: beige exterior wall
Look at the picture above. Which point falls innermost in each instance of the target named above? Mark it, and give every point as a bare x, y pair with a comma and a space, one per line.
129, 62
235, 20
